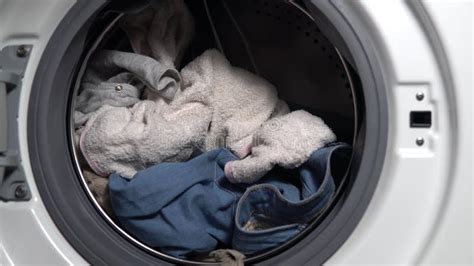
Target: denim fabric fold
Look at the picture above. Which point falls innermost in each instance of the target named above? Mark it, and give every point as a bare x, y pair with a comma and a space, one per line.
190, 208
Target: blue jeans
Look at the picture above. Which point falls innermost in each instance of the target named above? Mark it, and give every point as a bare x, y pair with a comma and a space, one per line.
190, 208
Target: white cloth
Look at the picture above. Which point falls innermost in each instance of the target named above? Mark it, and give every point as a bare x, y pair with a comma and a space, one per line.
287, 141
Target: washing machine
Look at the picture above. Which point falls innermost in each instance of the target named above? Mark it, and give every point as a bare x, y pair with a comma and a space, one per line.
392, 78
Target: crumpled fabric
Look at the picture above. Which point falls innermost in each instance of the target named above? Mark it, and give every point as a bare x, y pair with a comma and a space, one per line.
159, 37
124, 140
162, 31
118, 79
136, 111
240, 100
223, 257
219, 105
286, 140
189, 208
99, 188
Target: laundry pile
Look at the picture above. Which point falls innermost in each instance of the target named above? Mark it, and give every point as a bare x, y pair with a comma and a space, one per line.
202, 158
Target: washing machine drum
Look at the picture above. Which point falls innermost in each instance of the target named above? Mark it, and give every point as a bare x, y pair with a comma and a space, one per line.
292, 44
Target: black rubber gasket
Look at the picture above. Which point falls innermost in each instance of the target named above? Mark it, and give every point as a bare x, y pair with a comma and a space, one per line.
48, 143
95, 240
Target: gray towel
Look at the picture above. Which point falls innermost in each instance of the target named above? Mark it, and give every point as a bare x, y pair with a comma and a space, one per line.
125, 140
162, 31
287, 141
118, 79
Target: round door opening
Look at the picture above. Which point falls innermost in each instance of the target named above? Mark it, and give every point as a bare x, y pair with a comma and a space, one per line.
140, 77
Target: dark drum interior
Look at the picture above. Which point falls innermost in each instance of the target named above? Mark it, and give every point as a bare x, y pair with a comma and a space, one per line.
279, 41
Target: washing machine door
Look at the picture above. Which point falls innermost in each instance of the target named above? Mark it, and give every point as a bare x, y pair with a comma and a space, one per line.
410, 200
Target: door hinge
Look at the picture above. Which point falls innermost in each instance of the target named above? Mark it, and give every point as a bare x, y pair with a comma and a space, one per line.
13, 184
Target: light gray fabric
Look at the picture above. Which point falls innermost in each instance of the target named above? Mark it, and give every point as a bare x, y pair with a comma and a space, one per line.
286, 140
159, 36
125, 140
118, 79
162, 31
219, 105
240, 100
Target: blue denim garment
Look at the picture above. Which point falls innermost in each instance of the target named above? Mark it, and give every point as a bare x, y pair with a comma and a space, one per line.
283, 209
179, 207
190, 207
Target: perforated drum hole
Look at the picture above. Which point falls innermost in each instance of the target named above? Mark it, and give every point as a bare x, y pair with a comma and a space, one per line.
307, 26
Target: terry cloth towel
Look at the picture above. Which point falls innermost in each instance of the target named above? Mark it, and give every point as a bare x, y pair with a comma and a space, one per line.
162, 31
190, 207
125, 140
219, 106
118, 79
286, 140
240, 100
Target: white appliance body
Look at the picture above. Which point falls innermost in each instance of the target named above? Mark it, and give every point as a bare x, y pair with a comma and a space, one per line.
421, 212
